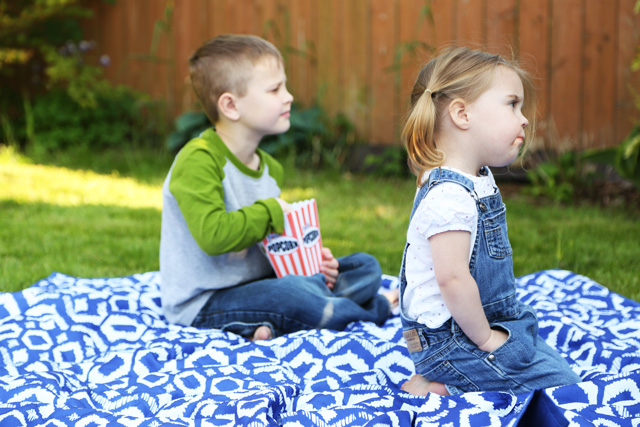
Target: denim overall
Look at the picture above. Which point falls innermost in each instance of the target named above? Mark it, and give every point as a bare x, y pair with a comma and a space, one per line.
445, 354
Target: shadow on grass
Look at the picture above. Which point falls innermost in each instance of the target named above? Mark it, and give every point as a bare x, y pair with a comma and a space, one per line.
85, 241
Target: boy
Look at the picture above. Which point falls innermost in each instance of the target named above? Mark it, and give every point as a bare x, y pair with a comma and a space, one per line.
221, 198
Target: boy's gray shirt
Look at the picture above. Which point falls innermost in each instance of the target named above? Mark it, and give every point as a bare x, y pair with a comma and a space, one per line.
189, 276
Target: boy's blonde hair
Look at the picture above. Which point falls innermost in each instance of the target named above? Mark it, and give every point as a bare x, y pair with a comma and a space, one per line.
456, 73
225, 64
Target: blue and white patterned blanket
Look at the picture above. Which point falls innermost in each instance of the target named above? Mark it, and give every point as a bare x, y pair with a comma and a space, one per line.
98, 352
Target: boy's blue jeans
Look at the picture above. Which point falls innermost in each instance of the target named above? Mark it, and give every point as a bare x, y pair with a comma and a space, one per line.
294, 303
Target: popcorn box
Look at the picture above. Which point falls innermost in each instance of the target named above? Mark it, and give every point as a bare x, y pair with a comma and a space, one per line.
299, 249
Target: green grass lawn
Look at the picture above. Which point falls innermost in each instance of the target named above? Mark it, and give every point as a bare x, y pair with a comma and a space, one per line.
99, 215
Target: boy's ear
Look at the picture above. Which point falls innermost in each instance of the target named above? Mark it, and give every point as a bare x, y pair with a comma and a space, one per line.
227, 106
459, 113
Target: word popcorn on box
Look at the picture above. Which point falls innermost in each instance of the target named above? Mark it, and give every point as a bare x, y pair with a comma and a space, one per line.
298, 250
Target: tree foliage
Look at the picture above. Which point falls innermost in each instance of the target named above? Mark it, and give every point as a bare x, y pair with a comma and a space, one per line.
42, 47
54, 92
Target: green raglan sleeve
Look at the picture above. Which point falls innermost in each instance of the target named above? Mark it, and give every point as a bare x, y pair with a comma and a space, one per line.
196, 183
275, 168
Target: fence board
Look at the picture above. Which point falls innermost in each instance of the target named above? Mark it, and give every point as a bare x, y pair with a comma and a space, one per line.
381, 102
336, 47
534, 50
355, 64
443, 18
469, 17
628, 82
270, 23
300, 60
203, 23
328, 57
136, 31
412, 50
565, 102
245, 22
186, 18
110, 39
158, 54
358, 51
599, 82
501, 26
223, 17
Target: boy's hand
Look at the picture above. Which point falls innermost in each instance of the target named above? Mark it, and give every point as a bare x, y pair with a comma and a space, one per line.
329, 267
286, 207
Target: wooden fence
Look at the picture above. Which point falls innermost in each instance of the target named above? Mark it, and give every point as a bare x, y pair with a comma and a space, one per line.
360, 57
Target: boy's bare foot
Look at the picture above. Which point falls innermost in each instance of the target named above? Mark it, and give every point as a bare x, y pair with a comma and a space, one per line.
261, 333
393, 296
420, 386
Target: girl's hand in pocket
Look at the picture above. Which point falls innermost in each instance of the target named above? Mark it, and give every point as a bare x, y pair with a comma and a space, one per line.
496, 339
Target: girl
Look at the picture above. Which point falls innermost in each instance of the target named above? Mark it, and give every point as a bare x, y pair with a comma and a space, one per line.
464, 327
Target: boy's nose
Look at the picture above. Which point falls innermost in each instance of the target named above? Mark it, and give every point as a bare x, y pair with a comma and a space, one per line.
288, 98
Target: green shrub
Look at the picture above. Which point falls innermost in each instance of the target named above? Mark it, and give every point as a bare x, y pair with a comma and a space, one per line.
42, 47
186, 127
120, 118
625, 158
602, 176
563, 177
391, 162
313, 140
52, 78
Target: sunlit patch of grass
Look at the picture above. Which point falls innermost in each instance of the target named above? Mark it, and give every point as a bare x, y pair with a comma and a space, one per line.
296, 194
31, 183
8, 154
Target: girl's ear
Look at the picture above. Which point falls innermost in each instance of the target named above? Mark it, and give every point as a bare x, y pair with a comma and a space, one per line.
459, 114
227, 106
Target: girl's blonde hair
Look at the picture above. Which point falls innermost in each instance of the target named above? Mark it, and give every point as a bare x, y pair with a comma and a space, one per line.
456, 73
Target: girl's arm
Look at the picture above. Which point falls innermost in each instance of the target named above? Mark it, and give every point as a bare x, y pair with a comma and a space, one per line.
450, 253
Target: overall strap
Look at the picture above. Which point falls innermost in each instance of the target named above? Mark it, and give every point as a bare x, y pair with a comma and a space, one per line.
440, 175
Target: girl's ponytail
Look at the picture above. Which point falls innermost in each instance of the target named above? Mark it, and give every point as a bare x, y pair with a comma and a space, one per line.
418, 133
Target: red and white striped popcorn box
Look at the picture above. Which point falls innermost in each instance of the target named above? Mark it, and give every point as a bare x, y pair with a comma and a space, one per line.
299, 249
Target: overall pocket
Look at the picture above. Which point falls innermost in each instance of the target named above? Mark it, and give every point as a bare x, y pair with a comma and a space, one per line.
515, 355
495, 233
